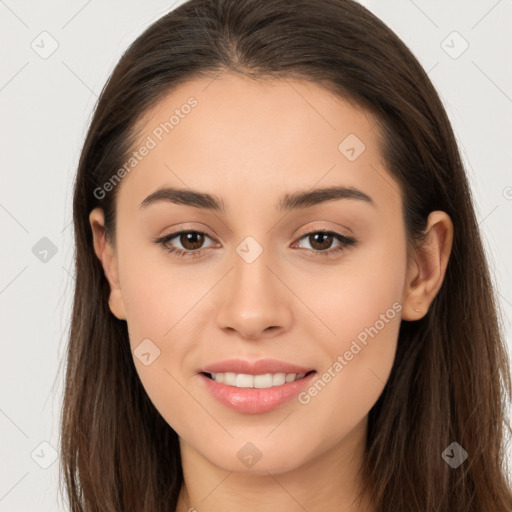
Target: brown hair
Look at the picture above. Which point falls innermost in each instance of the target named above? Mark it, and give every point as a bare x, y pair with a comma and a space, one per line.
451, 375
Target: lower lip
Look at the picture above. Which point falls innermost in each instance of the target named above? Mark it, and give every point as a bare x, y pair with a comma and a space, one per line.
255, 400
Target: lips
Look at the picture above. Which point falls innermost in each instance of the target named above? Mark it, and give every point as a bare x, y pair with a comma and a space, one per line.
254, 387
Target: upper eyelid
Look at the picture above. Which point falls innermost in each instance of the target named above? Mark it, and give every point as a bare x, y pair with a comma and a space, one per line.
345, 231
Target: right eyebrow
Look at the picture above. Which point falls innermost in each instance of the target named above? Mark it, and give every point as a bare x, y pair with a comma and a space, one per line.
185, 197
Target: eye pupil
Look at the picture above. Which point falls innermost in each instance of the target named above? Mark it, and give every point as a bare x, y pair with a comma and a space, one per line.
325, 236
188, 237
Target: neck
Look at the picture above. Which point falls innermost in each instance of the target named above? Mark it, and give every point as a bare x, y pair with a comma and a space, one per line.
331, 481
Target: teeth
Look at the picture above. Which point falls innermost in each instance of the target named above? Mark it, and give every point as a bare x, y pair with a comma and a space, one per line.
278, 379
243, 380
263, 381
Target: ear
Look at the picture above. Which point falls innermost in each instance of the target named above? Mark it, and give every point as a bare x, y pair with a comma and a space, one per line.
106, 254
427, 266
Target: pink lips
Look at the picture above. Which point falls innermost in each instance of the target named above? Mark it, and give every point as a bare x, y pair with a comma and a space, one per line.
253, 400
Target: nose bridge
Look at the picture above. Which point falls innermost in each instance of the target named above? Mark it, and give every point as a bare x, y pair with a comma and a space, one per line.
252, 299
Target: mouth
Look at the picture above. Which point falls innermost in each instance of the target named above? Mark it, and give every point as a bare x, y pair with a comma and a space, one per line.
259, 381
254, 387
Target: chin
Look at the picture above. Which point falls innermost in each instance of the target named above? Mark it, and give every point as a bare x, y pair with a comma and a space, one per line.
256, 459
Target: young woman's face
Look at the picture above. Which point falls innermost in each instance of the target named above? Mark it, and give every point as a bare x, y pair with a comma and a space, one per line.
261, 292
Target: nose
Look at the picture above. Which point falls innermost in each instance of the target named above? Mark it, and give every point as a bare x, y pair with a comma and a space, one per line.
253, 300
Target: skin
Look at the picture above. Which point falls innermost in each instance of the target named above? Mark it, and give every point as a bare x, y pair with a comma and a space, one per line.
249, 142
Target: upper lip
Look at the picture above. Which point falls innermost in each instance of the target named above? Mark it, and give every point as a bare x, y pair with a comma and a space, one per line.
259, 367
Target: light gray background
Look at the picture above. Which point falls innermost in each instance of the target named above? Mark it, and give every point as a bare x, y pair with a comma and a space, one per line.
46, 104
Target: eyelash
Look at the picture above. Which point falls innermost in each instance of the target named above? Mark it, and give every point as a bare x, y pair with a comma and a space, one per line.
345, 241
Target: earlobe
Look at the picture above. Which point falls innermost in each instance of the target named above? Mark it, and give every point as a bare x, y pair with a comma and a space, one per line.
427, 269
116, 304
107, 256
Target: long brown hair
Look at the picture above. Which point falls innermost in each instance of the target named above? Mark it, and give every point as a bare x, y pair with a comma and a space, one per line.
451, 377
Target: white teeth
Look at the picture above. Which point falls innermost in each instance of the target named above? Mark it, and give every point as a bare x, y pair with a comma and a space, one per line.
229, 378
263, 381
278, 379
243, 380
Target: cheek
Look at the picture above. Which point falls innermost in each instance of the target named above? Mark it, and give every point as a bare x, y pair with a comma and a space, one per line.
156, 309
362, 307
361, 298
157, 294
160, 302
354, 375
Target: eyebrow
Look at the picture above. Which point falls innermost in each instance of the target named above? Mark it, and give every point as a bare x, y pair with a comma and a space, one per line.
293, 201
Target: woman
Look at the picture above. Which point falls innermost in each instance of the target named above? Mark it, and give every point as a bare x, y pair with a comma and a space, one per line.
282, 299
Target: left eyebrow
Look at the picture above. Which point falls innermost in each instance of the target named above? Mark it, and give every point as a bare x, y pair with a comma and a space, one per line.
297, 200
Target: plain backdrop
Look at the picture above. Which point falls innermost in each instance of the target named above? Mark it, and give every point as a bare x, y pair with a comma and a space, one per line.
56, 57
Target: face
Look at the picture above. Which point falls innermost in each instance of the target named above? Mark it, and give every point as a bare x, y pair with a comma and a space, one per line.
304, 296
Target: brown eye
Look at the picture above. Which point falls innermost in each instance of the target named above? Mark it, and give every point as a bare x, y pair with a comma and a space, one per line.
191, 240
320, 241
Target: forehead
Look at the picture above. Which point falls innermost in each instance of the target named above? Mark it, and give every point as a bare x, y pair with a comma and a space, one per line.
252, 111
234, 136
